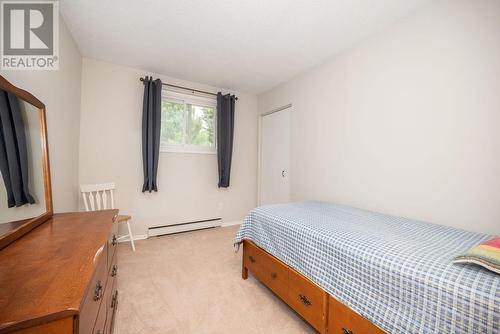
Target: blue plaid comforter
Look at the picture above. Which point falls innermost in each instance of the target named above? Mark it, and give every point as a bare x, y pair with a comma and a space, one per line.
396, 272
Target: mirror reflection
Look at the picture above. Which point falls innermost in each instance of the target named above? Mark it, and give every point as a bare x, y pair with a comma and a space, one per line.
22, 192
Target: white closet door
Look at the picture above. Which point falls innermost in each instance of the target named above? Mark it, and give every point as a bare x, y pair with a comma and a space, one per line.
275, 158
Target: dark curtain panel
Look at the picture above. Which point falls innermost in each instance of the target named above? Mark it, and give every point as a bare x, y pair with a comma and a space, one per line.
13, 151
151, 124
225, 134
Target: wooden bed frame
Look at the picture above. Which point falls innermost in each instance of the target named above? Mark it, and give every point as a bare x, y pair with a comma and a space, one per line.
321, 310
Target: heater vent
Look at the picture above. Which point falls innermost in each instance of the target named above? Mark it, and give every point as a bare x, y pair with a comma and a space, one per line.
155, 231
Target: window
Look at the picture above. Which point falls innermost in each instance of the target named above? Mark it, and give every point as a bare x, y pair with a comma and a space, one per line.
187, 123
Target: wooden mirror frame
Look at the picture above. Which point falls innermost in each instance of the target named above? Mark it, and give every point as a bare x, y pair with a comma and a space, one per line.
20, 228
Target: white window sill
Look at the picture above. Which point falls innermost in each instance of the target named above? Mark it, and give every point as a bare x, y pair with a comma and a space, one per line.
186, 150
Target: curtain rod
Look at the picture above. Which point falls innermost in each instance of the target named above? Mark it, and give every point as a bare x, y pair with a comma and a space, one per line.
186, 88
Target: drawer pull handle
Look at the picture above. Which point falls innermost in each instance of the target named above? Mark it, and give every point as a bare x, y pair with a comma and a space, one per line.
274, 275
304, 300
114, 240
98, 291
114, 300
346, 331
252, 259
114, 270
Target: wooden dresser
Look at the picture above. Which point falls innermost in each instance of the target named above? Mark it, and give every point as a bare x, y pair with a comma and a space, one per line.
61, 277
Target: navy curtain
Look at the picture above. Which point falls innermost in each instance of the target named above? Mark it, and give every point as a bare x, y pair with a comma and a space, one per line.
13, 152
151, 124
225, 134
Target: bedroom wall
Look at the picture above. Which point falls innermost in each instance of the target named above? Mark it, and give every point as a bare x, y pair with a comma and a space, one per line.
60, 92
407, 122
110, 150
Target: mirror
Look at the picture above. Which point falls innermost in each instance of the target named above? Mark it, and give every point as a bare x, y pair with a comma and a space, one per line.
25, 194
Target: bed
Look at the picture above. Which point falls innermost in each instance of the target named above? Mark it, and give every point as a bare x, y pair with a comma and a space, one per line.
396, 273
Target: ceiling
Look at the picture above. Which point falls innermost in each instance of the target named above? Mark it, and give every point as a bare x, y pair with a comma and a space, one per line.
245, 45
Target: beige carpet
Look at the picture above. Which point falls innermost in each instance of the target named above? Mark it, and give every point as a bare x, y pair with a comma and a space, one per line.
191, 283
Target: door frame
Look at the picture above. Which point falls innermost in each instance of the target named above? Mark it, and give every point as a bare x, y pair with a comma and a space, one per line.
259, 155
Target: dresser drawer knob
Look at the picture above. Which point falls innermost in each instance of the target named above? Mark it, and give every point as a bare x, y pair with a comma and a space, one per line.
274, 275
114, 240
346, 331
252, 259
114, 300
98, 291
114, 271
304, 300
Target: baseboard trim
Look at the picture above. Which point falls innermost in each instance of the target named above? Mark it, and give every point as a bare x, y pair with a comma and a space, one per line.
231, 223
125, 237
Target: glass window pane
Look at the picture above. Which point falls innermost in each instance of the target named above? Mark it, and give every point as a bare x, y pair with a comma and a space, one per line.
201, 125
172, 122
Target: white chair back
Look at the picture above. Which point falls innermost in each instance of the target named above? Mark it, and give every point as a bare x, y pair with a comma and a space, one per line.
98, 196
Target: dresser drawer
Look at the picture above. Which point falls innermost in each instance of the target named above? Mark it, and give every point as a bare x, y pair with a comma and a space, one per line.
112, 243
100, 324
307, 299
109, 301
112, 306
267, 269
343, 320
95, 293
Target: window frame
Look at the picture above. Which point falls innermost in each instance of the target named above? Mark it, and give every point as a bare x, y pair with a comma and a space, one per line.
176, 97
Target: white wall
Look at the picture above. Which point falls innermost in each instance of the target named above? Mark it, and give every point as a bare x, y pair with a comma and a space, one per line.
406, 123
110, 150
60, 92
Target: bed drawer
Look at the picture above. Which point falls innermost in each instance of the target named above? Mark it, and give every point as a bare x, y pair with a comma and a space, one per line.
307, 299
252, 259
343, 320
267, 269
274, 275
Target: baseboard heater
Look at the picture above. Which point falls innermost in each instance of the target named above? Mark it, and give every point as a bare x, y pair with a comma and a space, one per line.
155, 231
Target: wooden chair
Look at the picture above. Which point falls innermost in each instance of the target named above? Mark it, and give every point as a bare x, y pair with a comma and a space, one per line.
95, 197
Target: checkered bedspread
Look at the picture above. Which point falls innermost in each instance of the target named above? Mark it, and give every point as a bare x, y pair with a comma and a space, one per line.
396, 272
